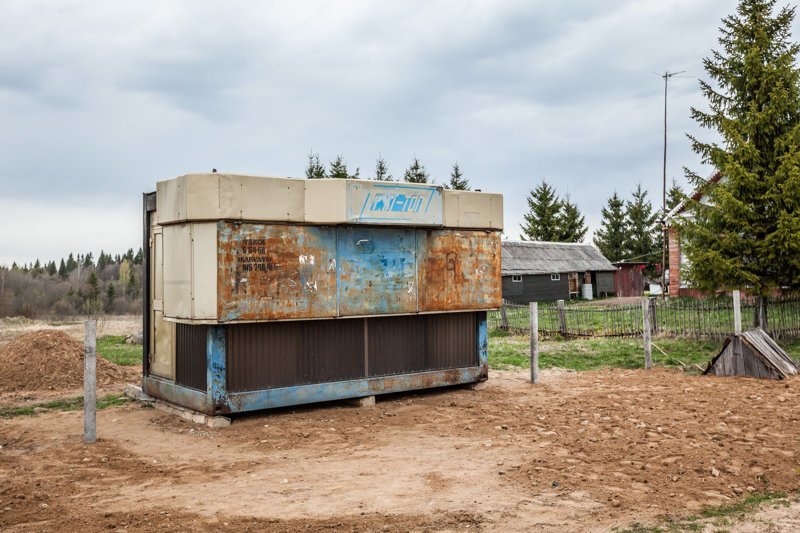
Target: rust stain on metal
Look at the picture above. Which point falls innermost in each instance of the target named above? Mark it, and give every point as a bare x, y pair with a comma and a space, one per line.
270, 272
459, 270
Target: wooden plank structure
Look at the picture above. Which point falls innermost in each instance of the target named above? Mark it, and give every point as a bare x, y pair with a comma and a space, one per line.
754, 354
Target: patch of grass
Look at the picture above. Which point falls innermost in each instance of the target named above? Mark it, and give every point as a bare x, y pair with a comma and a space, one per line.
114, 349
69, 404
594, 354
720, 515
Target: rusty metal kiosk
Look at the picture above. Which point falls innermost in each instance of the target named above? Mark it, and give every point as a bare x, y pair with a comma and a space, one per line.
269, 292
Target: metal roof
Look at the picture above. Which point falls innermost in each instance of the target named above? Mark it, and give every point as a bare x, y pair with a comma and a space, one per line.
537, 257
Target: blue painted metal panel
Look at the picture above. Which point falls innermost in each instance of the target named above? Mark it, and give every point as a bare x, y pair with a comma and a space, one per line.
394, 203
184, 396
273, 272
483, 340
215, 353
323, 392
377, 270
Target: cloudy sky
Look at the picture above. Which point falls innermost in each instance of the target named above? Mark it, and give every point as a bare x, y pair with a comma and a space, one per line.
99, 100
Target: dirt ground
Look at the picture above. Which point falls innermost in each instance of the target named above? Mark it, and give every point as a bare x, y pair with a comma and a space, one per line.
588, 451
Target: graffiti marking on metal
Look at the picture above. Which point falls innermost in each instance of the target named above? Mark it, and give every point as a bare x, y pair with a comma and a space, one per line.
394, 203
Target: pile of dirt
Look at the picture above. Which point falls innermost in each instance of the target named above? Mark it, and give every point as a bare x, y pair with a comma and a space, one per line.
49, 359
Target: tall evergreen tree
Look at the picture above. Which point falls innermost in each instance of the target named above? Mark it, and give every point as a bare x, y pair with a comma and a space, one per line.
457, 180
675, 196
382, 170
571, 223
748, 233
338, 169
111, 293
51, 268
611, 239
62, 269
642, 228
315, 169
543, 217
102, 261
416, 172
139, 257
88, 260
71, 263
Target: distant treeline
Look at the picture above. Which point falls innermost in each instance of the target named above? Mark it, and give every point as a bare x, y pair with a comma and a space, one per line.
77, 285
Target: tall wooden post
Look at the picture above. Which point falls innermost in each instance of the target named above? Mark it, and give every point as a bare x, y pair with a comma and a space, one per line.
737, 313
90, 382
648, 349
534, 311
504, 317
562, 317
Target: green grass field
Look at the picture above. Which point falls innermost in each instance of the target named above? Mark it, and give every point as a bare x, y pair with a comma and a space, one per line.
115, 350
513, 351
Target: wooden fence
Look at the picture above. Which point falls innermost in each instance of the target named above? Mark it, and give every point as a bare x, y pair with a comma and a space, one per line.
678, 317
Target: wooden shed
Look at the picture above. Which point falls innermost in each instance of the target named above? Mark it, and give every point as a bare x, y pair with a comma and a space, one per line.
753, 354
537, 271
629, 279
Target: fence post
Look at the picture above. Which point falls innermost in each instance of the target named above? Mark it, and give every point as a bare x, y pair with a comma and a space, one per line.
534, 311
648, 350
737, 313
504, 317
653, 315
562, 318
90, 382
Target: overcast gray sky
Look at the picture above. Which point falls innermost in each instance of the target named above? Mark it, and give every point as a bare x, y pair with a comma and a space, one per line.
99, 100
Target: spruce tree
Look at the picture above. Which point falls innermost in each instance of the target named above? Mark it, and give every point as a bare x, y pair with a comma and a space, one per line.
139, 257
542, 220
101, 261
111, 293
611, 238
71, 263
315, 169
88, 260
382, 170
457, 180
571, 223
338, 169
642, 226
62, 269
747, 233
51, 268
675, 196
416, 172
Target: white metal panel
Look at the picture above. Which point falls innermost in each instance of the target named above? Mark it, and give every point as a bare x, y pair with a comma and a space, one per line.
177, 260
204, 270
326, 201
171, 195
202, 197
261, 198
163, 361
473, 209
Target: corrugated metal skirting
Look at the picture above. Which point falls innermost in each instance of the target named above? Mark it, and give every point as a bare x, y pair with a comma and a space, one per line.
190, 356
284, 354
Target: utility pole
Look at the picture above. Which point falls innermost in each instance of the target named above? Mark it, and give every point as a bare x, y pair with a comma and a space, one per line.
667, 75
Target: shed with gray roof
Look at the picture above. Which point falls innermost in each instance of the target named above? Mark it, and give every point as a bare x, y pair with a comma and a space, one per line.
535, 271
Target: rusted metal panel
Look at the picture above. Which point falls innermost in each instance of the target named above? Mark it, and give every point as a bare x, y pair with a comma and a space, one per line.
377, 271
190, 356
370, 202
271, 272
458, 270
282, 354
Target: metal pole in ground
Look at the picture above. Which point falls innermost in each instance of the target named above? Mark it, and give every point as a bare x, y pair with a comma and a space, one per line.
90, 382
534, 310
648, 349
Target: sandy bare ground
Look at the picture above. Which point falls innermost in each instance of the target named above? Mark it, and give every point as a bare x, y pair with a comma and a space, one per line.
106, 325
586, 451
